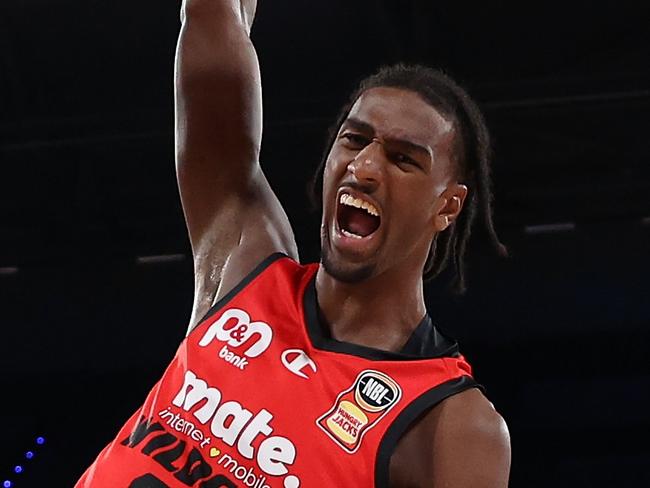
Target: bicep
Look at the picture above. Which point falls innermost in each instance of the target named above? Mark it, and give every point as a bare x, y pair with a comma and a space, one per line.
218, 112
460, 443
233, 217
471, 446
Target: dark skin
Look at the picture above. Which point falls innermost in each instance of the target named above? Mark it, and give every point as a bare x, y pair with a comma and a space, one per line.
395, 152
412, 189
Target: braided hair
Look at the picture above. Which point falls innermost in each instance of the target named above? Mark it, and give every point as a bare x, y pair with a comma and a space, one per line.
472, 151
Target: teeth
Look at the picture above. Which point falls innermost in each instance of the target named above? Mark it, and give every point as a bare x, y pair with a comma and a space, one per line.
350, 234
349, 200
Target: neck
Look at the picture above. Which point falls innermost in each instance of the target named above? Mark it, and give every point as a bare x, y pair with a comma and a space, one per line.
380, 312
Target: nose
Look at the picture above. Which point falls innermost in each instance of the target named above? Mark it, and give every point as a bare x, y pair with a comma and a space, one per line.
366, 166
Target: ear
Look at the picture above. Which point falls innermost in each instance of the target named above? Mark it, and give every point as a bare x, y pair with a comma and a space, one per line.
450, 203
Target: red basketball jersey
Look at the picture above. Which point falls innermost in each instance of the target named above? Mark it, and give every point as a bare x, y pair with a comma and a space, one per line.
259, 396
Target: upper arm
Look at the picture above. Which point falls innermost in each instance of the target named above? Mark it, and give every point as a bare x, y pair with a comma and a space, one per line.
472, 444
233, 217
461, 443
218, 112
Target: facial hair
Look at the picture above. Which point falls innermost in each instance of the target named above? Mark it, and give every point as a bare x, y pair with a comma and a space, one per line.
341, 272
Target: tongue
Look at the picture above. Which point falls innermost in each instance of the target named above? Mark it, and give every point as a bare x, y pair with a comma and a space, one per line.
360, 222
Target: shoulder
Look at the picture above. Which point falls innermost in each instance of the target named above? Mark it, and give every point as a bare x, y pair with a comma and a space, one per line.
462, 442
470, 412
470, 416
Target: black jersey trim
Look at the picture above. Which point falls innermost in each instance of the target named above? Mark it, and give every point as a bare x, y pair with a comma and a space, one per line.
241, 285
432, 344
405, 419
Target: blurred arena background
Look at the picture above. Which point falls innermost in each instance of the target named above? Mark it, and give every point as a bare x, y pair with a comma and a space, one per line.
95, 269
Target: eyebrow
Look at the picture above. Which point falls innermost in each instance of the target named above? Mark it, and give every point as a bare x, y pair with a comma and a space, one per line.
363, 126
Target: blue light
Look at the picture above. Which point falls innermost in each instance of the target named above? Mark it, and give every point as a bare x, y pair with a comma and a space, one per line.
40, 441
7, 484
29, 454
18, 469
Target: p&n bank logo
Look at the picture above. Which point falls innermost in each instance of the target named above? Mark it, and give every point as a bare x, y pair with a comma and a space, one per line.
236, 329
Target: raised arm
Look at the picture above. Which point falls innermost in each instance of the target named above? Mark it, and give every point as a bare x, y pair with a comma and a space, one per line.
233, 218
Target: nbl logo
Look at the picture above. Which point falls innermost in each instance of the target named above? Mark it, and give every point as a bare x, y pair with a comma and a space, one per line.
236, 329
359, 408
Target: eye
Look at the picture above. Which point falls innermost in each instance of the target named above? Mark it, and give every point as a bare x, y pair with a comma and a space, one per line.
353, 140
403, 159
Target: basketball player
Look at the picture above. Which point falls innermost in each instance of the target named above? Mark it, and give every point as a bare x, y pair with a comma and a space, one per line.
325, 375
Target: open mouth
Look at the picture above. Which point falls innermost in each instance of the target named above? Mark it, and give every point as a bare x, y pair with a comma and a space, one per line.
356, 217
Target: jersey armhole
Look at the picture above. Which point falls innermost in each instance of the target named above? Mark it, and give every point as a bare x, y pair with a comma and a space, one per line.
261, 267
414, 410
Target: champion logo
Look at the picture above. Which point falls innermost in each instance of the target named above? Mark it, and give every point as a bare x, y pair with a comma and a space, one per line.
297, 361
236, 329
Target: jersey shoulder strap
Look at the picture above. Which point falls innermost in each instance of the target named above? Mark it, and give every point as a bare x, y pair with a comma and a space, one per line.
263, 267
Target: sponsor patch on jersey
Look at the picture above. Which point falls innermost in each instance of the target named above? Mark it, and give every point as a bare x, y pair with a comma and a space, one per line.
240, 338
359, 408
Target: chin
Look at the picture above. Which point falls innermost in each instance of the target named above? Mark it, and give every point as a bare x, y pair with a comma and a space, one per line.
346, 272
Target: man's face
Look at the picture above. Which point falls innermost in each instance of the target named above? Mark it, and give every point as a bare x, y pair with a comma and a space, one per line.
384, 185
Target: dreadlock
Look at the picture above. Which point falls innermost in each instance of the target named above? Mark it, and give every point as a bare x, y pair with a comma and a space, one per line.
472, 153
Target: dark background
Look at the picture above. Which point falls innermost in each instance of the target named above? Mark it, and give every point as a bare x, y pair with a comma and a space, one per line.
558, 332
